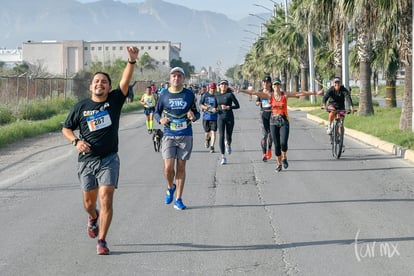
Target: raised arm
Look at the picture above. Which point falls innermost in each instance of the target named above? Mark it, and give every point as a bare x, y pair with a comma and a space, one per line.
129, 69
305, 93
255, 93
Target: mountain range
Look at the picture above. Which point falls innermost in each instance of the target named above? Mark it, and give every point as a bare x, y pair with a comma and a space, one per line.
207, 39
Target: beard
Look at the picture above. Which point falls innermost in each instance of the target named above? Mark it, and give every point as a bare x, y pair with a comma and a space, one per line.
99, 92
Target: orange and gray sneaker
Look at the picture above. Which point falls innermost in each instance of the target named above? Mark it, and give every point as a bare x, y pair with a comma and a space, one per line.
101, 248
269, 154
93, 228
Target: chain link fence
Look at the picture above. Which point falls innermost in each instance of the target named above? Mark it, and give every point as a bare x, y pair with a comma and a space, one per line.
15, 91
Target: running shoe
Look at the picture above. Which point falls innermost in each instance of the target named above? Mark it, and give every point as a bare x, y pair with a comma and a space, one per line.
329, 129
223, 161
285, 163
264, 158
179, 205
170, 194
269, 154
228, 149
207, 143
278, 168
211, 149
149, 131
101, 248
93, 228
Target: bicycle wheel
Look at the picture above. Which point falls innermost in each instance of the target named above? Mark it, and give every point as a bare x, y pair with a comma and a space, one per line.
334, 138
340, 139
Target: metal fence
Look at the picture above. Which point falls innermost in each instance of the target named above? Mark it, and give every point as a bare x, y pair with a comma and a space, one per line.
20, 90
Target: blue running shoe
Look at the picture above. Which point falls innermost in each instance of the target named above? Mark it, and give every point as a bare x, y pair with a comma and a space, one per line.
170, 194
223, 161
179, 205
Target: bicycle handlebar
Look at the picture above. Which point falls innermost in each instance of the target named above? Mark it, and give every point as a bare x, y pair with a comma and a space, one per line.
338, 111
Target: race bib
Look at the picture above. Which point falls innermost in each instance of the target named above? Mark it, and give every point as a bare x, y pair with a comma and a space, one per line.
178, 124
149, 103
265, 103
99, 121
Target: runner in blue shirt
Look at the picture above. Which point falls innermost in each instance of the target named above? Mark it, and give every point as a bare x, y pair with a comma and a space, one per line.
209, 105
176, 109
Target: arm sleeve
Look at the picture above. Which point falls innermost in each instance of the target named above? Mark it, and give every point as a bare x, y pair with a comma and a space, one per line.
326, 96
195, 110
71, 121
235, 102
348, 98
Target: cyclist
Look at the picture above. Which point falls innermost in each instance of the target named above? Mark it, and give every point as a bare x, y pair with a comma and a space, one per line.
337, 95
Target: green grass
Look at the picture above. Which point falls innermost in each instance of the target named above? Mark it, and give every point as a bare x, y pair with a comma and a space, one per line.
22, 129
17, 129
384, 125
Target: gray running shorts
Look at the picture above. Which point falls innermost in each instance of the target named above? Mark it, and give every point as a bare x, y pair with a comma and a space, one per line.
104, 172
177, 147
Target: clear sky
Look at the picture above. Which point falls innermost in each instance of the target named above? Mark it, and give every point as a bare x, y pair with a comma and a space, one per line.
235, 9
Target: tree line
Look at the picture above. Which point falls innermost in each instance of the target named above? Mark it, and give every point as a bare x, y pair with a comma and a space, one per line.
380, 40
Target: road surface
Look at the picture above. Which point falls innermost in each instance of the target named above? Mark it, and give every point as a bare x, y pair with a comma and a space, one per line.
321, 216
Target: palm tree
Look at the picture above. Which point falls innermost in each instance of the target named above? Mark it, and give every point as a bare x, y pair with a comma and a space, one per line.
333, 17
364, 15
145, 62
386, 59
404, 16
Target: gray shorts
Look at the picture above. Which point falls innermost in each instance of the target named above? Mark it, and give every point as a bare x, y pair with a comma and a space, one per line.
104, 172
177, 147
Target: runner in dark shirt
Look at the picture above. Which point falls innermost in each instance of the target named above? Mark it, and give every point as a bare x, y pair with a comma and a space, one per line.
226, 102
97, 120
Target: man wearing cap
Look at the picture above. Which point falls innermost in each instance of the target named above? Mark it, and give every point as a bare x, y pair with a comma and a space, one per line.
176, 109
265, 112
337, 95
209, 105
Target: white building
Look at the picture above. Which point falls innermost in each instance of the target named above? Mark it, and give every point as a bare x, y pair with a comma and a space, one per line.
11, 57
72, 56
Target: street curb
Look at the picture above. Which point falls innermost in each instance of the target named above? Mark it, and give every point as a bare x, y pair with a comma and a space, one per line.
372, 140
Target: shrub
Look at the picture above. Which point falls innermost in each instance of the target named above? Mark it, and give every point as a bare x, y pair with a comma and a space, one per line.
6, 116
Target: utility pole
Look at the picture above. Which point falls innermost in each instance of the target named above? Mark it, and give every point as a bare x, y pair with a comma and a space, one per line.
345, 59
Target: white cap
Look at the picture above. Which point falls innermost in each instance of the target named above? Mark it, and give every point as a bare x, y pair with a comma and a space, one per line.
177, 69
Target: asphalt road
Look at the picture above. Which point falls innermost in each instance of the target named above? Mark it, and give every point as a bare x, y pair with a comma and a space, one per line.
321, 216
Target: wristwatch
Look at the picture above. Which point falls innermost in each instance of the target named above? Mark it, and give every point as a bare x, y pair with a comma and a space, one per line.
75, 141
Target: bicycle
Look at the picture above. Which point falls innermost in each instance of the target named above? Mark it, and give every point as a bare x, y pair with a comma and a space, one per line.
337, 133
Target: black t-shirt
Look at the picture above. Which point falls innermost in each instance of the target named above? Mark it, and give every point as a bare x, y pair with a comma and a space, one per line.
98, 124
228, 99
338, 97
